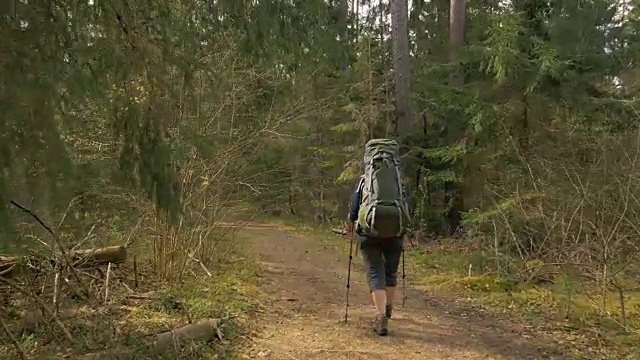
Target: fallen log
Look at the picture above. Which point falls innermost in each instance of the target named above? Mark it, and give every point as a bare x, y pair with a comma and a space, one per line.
339, 231
166, 342
204, 331
90, 257
12, 265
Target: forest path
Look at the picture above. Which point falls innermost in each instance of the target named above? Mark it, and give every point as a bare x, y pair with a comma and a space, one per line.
306, 277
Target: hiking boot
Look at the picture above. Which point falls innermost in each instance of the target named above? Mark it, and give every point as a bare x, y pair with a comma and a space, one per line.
380, 324
388, 310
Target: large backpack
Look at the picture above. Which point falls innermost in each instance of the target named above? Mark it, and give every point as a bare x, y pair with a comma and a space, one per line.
383, 208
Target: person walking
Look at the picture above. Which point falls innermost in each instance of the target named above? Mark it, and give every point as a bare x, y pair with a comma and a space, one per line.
378, 218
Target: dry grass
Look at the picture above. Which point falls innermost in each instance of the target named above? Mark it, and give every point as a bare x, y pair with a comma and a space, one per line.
132, 315
562, 305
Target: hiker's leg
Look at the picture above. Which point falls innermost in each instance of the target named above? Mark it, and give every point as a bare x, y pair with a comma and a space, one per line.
391, 293
392, 252
374, 265
379, 301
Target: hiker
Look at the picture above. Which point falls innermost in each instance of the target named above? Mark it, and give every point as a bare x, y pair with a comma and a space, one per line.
378, 218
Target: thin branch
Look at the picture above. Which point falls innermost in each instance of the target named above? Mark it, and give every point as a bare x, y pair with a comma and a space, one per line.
106, 284
41, 305
22, 208
57, 241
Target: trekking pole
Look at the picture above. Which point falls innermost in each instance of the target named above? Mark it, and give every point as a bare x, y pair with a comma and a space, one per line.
404, 286
346, 310
356, 246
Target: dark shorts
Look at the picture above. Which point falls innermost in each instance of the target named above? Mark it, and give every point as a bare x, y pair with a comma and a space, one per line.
381, 260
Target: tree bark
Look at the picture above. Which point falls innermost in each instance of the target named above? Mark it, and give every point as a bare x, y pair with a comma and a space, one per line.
344, 34
400, 39
457, 12
453, 195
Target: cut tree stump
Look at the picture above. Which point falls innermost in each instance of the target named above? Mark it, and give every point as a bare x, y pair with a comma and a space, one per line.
10, 265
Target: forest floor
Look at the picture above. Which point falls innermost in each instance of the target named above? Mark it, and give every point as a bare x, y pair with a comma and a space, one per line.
282, 289
305, 276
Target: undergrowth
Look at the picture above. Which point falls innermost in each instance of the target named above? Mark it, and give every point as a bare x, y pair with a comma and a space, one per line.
127, 323
551, 302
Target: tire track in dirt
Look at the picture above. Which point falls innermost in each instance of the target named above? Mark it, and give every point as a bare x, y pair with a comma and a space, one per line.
306, 278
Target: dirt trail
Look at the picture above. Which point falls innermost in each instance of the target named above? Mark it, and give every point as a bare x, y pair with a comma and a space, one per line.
307, 278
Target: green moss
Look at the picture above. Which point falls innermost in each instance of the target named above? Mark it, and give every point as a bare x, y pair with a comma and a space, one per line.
485, 283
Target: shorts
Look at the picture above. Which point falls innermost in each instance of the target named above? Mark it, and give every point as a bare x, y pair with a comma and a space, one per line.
381, 259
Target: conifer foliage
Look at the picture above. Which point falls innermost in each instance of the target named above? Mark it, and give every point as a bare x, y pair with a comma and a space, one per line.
517, 115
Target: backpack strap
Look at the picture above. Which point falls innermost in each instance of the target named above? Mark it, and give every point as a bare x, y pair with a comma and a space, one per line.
360, 186
373, 215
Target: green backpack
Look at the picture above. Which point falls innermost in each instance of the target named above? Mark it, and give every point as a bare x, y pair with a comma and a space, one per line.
383, 211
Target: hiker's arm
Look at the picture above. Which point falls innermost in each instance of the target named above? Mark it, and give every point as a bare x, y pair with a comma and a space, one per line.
406, 240
410, 206
355, 203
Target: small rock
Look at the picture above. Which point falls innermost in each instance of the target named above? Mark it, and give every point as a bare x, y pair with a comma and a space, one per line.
264, 353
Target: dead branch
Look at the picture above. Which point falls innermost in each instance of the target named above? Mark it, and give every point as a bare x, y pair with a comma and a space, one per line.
60, 247
144, 296
77, 258
106, 283
339, 231
7, 269
56, 285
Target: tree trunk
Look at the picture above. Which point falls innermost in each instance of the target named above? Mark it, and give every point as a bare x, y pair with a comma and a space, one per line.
400, 38
456, 40
344, 34
453, 194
